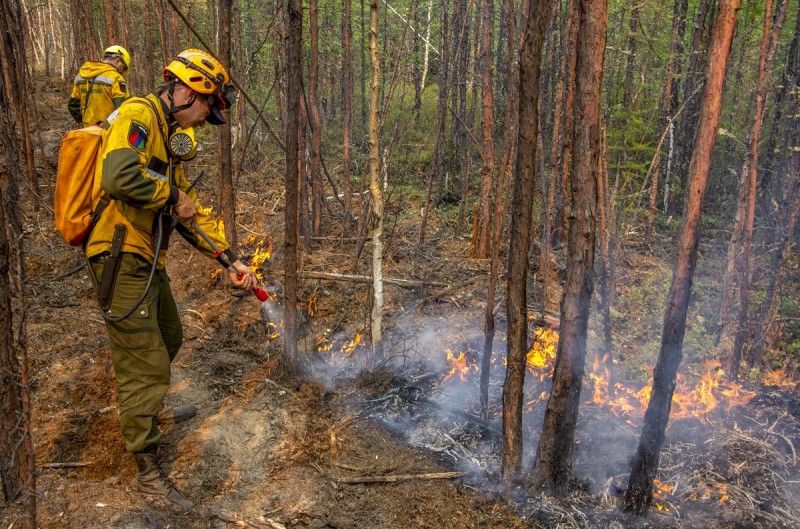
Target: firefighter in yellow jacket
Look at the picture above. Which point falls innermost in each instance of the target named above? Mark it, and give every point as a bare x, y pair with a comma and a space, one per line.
100, 87
146, 196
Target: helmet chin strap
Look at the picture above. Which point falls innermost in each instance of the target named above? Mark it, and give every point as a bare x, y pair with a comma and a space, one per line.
174, 109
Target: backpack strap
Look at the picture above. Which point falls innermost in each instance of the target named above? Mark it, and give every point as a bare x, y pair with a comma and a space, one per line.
89, 93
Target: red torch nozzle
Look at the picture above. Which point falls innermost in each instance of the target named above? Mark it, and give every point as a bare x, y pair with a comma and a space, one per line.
261, 294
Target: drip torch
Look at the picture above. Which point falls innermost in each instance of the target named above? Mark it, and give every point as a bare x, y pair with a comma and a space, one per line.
259, 292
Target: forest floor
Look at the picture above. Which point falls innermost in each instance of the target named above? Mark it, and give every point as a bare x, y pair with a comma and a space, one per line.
348, 445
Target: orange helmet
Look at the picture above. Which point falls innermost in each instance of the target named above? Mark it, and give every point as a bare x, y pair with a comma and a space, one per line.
204, 74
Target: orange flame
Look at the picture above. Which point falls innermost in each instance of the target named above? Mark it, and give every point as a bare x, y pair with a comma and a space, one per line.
778, 378
461, 365
350, 346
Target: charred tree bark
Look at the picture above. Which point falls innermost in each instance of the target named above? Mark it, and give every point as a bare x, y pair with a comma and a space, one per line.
294, 73
553, 463
17, 464
524, 186
376, 222
639, 493
226, 195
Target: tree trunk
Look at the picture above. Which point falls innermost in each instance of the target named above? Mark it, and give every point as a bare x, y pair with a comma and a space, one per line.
347, 97
788, 78
689, 120
17, 464
562, 128
499, 207
639, 493
225, 194
294, 75
316, 122
737, 269
85, 33
524, 186
149, 48
605, 280
481, 248
437, 160
553, 463
376, 319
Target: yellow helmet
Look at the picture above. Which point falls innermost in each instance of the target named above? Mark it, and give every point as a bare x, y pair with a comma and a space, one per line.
122, 53
204, 74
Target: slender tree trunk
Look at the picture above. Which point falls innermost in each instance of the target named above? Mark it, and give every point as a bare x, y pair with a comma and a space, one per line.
737, 269
689, 120
481, 248
291, 247
780, 256
605, 276
558, 157
639, 493
499, 207
316, 123
17, 464
437, 161
376, 320
553, 463
788, 77
786, 215
149, 48
347, 97
524, 186
225, 194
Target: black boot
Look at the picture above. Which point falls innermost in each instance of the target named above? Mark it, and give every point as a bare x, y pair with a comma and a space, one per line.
168, 415
150, 479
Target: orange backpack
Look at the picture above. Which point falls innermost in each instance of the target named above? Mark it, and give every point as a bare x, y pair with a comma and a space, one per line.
74, 194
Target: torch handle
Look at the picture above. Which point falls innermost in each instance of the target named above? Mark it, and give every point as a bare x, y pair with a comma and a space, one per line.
259, 292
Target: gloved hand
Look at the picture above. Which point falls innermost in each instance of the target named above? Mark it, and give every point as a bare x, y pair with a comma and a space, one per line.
185, 210
245, 278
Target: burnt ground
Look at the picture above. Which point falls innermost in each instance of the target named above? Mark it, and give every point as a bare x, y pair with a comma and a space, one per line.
271, 450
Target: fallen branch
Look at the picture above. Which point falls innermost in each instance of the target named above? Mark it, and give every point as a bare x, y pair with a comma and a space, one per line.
228, 519
405, 283
402, 477
70, 272
67, 464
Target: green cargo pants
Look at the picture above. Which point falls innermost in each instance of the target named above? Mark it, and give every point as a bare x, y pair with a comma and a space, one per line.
142, 346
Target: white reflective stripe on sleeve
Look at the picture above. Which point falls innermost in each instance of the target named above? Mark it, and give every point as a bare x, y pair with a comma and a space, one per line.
154, 174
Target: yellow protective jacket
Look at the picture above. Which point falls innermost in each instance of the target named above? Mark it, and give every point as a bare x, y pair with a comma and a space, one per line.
133, 170
109, 91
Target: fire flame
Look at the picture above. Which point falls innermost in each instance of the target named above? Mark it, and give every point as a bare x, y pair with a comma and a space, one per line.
461, 365
778, 378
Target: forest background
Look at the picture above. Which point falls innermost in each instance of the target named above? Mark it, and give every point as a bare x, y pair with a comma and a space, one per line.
448, 100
